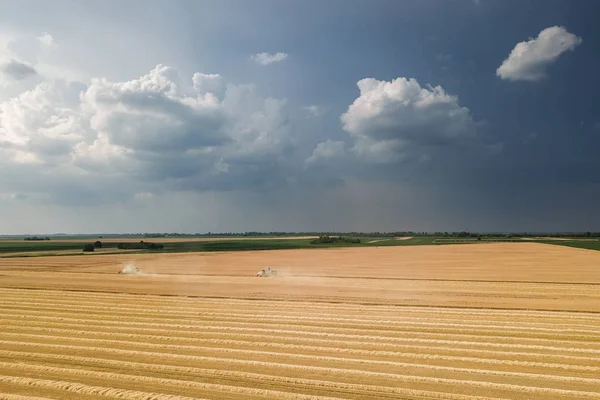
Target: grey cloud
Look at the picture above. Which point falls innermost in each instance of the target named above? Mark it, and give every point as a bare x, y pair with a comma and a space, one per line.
326, 151
17, 70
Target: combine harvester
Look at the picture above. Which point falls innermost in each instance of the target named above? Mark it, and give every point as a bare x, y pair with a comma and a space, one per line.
131, 270
267, 272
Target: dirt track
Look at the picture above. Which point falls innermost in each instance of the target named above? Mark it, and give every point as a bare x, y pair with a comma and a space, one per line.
374, 323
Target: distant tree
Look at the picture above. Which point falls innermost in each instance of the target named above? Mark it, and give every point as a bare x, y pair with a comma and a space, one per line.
479, 238
88, 247
98, 244
140, 246
325, 239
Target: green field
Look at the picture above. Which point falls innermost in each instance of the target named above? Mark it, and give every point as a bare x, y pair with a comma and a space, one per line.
208, 245
29, 246
590, 244
43, 247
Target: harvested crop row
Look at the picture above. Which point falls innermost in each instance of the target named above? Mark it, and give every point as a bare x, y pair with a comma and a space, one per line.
442, 384
281, 341
173, 312
183, 303
399, 330
224, 344
399, 314
276, 334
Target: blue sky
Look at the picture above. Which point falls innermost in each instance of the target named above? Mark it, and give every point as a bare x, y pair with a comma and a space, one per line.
203, 116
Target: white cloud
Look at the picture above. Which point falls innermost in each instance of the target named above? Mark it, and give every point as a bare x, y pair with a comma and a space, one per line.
268, 58
41, 125
314, 110
156, 130
327, 150
392, 120
529, 60
144, 196
46, 39
210, 83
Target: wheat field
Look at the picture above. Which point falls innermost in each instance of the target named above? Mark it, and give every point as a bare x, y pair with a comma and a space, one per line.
456, 322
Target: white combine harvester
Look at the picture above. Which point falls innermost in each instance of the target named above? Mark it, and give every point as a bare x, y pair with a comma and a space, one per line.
263, 273
130, 270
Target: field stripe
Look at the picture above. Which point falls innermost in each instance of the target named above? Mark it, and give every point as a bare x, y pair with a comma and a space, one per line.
260, 326
364, 335
153, 306
318, 306
287, 395
129, 319
84, 389
135, 395
243, 357
511, 346
253, 339
8, 396
324, 385
198, 312
137, 365
226, 316
265, 344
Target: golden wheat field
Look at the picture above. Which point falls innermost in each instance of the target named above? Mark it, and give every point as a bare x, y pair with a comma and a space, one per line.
456, 322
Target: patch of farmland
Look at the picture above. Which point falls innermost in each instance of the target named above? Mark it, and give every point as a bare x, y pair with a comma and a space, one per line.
429, 322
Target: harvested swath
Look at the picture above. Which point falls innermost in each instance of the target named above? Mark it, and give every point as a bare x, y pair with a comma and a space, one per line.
138, 366
274, 394
406, 349
294, 381
230, 346
137, 379
310, 362
85, 389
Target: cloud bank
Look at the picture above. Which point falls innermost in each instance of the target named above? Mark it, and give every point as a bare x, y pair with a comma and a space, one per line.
154, 133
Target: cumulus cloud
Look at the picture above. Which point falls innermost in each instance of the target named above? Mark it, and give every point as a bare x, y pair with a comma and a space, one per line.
393, 120
529, 60
196, 135
46, 39
326, 151
268, 58
314, 110
210, 83
17, 70
41, 125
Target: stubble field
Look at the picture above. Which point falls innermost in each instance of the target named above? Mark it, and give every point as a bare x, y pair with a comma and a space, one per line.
463, 322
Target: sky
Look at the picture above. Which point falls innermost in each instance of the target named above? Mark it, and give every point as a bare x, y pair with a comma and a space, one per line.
269, 115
